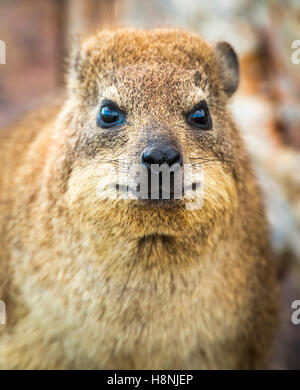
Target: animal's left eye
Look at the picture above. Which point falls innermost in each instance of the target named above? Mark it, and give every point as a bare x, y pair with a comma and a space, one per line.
200, 117
110, 115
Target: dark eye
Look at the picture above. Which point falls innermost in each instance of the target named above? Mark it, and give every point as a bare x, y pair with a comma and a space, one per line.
200, 117
110, 115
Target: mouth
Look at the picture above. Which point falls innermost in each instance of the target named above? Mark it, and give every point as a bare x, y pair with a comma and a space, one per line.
162, 197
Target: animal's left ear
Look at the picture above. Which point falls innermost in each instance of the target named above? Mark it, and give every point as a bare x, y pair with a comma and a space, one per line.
228, 65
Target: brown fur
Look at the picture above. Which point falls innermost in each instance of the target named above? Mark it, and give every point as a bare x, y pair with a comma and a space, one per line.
93, 283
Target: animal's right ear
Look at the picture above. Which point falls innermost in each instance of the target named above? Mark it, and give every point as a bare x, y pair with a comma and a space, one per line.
77, 60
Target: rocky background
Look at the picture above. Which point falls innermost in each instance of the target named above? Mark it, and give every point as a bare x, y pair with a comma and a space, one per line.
37, 34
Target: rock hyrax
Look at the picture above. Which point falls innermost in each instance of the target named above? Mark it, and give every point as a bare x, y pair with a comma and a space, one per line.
118, 281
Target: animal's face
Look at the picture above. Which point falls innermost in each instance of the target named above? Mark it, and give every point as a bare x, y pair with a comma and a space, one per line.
144, 101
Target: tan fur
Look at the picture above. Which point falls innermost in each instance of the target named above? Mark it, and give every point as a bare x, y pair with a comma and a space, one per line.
94, 283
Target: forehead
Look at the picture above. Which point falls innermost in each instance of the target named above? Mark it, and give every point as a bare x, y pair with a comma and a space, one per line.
166, 66
161, 46
148, 86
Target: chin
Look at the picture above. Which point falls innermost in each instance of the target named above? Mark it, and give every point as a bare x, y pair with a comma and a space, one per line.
159, 204
162, 216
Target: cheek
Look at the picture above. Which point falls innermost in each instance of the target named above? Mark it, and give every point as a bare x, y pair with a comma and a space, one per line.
94, 141
89, 186
220, 193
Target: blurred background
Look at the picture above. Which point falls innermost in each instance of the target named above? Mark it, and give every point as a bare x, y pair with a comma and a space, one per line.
37, 35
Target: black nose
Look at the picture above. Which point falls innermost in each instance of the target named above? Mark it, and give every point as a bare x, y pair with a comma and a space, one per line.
161, 155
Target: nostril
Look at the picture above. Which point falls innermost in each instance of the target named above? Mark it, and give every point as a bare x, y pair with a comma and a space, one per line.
168, 156
173, 157
153, 157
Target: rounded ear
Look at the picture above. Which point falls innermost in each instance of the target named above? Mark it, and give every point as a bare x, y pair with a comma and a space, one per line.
76, 63
228, 65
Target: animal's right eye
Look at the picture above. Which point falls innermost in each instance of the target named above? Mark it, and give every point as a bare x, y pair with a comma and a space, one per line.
110, 115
